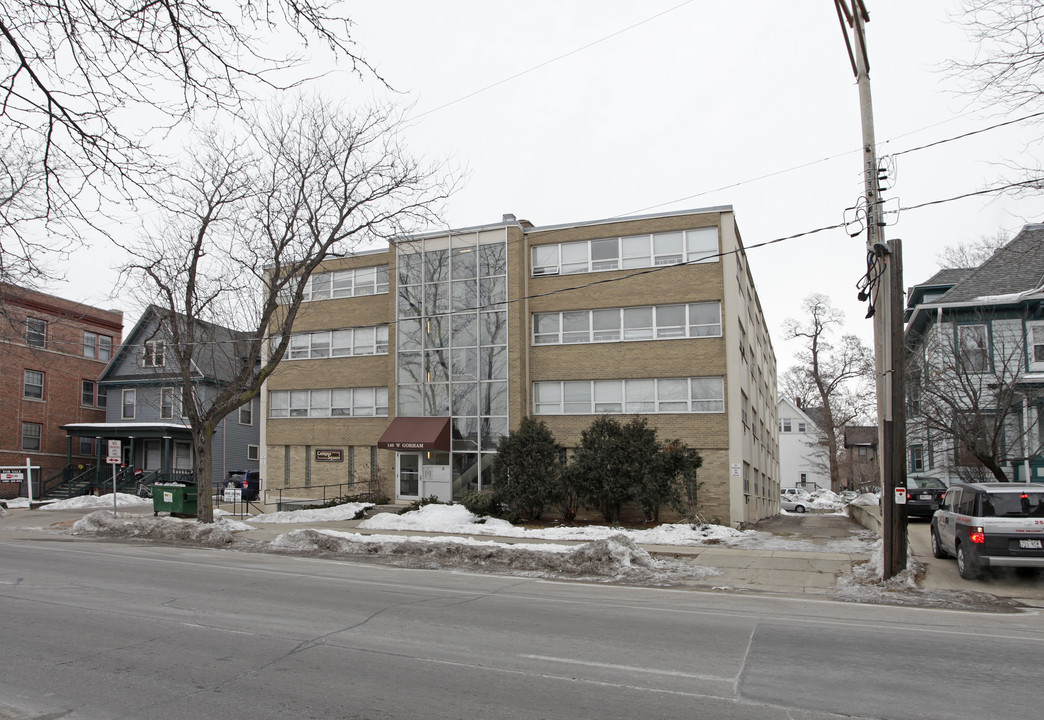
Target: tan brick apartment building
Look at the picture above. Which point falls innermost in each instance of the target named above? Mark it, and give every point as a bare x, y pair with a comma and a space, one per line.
409, 364
51, 354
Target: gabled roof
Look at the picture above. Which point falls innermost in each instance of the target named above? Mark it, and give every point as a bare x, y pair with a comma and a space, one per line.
1017, 267
818, 416
794, 410
216, 357
940, 282
1013, 275
856, 435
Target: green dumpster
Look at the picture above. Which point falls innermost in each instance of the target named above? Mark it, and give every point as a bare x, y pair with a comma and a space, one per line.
175, 499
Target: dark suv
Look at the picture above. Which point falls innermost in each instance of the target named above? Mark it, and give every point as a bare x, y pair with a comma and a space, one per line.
987, 525
249, 481
923, 495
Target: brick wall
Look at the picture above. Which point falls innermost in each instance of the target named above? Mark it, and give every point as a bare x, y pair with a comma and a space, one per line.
64, 367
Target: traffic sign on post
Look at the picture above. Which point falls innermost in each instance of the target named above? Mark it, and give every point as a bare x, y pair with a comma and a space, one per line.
115, 454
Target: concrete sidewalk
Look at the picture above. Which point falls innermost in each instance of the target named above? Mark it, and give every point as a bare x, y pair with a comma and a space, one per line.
789, 572
771, 571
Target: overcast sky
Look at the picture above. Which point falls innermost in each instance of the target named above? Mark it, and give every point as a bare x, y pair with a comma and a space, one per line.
579, 110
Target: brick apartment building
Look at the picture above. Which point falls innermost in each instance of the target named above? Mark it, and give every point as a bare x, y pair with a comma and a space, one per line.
51, 354
409, 364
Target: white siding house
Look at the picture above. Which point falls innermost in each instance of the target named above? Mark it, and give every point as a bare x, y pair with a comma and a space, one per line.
802, 454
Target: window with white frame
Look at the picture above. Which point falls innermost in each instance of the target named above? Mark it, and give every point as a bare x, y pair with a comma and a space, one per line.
338, 402
129, 404
338, 343
98, 347
658, 322
645, 396
152, 353
167, 403
784, 425
972, 342
87, 393
699, 245
253, 452
33, 385
86, 446
246, 413
1035, 341
31, 436
354, 282
35, 332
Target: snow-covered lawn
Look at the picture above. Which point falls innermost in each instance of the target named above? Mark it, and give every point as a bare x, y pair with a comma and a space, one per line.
85, 502
456, 519
347, 511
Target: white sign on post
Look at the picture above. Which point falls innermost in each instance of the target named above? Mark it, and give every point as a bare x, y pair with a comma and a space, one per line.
114, 457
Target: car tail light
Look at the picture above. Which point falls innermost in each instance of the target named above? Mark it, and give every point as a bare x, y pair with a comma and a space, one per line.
976, 535
244, 483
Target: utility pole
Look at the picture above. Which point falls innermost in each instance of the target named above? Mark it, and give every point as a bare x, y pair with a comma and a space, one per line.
883, 289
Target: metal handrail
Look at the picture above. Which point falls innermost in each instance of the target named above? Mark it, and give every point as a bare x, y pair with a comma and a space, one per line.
326, 497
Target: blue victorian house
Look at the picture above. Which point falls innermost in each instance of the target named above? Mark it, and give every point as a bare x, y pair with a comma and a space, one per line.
145, 395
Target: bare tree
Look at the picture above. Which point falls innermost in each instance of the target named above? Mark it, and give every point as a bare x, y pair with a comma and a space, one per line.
1008, 66
248, 224
830, 375
968, 386
93, 88
972, 254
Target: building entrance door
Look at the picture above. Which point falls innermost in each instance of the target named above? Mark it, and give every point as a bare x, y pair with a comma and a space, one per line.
407, 472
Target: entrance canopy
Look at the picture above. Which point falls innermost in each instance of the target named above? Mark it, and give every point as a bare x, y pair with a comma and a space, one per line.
417, 433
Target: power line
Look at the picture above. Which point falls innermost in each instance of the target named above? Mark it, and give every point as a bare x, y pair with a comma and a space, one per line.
970, 133
550, 61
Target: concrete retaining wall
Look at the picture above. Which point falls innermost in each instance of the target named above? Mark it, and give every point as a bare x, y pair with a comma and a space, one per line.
867, 516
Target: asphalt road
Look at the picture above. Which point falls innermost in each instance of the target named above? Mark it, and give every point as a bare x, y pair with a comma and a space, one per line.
93, 629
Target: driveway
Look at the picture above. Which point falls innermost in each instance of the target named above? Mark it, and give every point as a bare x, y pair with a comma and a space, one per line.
819, 528
1027, 587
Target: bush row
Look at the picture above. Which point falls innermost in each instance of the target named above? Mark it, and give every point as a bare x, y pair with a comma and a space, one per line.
614, 464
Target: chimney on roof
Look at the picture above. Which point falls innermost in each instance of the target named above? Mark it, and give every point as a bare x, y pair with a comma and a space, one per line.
797, 401
509, 218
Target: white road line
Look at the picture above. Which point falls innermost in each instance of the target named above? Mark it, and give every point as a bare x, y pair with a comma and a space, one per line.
629, 668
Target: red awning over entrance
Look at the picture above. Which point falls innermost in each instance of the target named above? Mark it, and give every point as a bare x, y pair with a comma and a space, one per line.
417, 433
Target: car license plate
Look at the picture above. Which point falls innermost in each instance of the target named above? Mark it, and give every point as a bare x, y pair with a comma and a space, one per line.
1030, 544
924, 497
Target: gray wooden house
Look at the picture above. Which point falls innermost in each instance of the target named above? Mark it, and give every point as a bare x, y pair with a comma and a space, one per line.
144, 396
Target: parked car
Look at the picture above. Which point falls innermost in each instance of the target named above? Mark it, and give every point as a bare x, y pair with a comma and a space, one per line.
849, 495
792, 503
249, 481
987, 525
923, 495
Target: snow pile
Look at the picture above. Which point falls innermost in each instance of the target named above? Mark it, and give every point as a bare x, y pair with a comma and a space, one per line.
616, 558
433, 518
867, 499
823, 499
865, 585
99, 501
163, 529
18, 502
346, 511
458, 520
